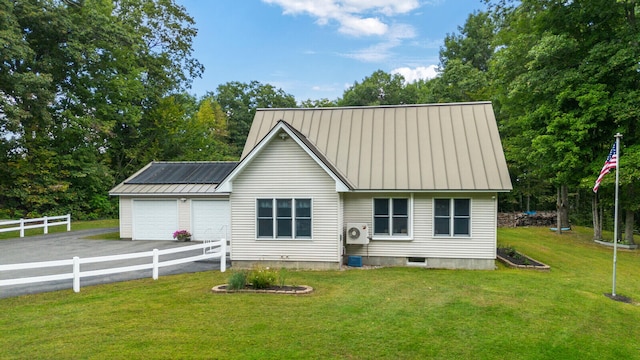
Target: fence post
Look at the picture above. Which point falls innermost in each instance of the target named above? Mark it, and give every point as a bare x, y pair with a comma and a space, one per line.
46, 225
155, 264
76, 274
223, 255
21, 227
68, 222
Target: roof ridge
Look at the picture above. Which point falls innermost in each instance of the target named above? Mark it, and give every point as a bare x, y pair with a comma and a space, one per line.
467, 103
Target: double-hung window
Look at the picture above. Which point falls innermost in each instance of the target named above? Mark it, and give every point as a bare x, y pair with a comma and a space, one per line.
391, 217
284, 218
452, 217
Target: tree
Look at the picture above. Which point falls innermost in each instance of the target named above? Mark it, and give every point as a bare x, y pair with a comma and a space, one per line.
464, 63
318, 103
240, 102
208, 133
562, 71
380, 88
76, 81
458, 82
474, 43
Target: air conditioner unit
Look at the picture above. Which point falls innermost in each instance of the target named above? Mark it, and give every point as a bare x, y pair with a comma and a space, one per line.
357, 233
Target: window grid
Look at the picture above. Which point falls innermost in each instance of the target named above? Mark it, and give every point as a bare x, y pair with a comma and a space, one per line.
287, 218
452, 217
391, 216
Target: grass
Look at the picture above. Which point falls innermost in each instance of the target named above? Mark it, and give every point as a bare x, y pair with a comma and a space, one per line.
75, 225
107, 236
388, 313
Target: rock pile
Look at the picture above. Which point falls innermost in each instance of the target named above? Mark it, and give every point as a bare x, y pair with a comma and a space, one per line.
515, 219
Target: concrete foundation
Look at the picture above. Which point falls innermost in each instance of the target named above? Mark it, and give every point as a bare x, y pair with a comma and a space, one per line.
298, 265
387, 261
431, 263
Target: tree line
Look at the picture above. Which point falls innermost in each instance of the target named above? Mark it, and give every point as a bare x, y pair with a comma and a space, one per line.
92, 90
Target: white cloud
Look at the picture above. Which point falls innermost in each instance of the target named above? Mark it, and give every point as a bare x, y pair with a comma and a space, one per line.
382, 51
419, 73
356, 26
325, 88
355, 17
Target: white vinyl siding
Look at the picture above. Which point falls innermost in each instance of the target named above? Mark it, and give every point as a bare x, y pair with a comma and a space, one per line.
126, 218
358, 208
283, 170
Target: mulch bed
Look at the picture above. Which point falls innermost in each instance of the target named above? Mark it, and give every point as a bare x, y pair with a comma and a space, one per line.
619, 298
512, 258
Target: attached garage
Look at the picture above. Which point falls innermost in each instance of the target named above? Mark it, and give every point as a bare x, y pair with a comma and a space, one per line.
154, 219
167, 196
210, 219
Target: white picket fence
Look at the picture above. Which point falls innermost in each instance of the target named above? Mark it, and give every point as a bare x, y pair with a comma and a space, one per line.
210, 250
43, 222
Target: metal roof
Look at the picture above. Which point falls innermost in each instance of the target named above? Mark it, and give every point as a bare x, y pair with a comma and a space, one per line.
175, 178
183, 173
434, 147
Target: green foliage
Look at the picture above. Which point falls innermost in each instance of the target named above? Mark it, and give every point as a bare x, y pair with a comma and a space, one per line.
239, 101
82, 85
380, 88
562, 78
262, 278
474, 43
309, 103
237, 280
283, 274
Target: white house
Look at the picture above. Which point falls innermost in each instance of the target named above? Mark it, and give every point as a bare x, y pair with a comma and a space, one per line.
393, 185
396, 185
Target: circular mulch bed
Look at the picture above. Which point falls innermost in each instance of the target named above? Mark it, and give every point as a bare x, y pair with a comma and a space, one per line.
292, 290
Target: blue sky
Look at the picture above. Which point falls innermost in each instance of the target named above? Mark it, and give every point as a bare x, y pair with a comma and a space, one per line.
315, 49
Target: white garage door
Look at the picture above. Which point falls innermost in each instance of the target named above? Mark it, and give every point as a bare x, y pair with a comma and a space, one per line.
210, 219
154, 219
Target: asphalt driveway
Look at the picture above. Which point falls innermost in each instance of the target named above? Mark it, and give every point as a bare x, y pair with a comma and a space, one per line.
64, 246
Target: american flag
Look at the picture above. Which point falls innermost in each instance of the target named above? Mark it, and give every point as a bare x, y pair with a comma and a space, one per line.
612, 161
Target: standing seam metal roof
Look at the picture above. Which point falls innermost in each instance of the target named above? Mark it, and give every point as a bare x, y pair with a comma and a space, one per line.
436, 147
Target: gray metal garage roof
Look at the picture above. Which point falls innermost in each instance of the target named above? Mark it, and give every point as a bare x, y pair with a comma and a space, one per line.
183, 173
175, 178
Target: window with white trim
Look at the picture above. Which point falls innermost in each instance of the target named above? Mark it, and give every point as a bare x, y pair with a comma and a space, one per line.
284, 218
391, 216
452, 217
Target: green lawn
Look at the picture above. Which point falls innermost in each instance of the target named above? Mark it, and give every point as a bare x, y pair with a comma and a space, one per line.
75, 225
389, 313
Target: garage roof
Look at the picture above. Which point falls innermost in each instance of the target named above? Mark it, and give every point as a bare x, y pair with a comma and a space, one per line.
183, 173
175, 178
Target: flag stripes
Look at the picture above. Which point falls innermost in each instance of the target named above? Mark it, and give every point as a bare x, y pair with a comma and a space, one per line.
610, 163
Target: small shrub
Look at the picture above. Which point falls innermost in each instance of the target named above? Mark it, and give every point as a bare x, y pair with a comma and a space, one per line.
262, 278
237, 280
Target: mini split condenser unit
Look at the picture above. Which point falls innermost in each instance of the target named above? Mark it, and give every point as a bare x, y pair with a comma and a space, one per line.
357, 233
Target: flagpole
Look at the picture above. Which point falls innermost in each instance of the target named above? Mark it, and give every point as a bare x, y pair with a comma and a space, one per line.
615, 215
